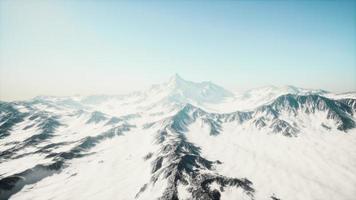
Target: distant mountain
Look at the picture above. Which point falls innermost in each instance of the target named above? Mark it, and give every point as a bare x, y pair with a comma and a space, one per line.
180, 90
180, 140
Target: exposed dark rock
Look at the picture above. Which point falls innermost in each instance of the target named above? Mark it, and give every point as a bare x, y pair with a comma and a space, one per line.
260, 122
157, 164
179, 162
47, 125
96, 117
148, 156
281, 126
273, 197
113, 121
9, 117
89, 142
14, 183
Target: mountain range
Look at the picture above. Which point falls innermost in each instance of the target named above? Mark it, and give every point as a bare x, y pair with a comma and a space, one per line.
181, 140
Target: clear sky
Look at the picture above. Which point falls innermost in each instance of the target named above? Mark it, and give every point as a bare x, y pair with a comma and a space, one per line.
88, 47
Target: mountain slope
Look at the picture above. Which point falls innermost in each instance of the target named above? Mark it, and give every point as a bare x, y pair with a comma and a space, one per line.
173, 142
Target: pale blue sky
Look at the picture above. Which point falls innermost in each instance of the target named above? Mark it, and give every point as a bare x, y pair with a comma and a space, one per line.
88, 47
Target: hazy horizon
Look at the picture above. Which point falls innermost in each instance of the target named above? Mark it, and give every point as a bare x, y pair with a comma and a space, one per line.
146, 87
64, 48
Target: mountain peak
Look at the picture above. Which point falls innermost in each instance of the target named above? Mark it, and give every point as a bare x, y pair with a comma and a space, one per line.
176, 78
180, 90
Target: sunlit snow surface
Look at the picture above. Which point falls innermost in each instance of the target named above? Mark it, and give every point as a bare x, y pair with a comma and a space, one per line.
314, 165
181, 140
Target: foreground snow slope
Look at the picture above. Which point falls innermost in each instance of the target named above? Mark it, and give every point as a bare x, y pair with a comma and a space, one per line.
314, 165
181, 140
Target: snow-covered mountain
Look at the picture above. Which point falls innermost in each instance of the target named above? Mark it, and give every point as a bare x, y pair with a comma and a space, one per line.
181, 140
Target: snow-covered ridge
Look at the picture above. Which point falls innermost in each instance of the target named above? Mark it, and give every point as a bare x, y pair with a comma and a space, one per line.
284, 115
173, 94
180, 140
